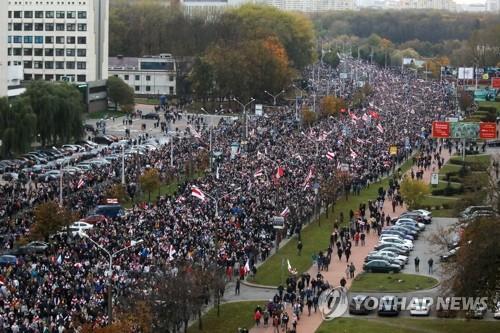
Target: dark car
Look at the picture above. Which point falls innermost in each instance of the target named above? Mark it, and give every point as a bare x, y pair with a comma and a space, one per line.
111, 211
102, 140
381, 266
389, 306
32, 247
94, 219
8, 259
417, 217
151, 116
361, 304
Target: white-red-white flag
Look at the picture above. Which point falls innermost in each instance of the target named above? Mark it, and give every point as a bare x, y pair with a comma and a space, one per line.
285, 212
365, 117
330, 155
308, 178
353, 116
353, 153
291, 270
80, 184
358, 140
380, 128
258, 173
247, 267
171, 252
196, 192
280, 172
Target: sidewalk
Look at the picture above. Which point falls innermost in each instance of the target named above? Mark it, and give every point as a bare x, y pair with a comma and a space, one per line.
309, 324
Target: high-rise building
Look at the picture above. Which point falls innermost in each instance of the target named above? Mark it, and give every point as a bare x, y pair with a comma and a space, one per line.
3, 53
59, 40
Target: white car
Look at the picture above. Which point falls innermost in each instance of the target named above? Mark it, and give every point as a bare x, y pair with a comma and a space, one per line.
393, 255
78, 226
423, 212
420, 307
496, 313
401, 221
396, 240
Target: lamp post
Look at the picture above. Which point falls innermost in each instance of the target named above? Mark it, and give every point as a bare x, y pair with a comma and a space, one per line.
244, 106
296, 104
110, 263
217, 199
274, 96
61, 181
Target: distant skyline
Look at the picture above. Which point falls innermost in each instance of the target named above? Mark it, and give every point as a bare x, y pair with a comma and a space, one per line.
462, 2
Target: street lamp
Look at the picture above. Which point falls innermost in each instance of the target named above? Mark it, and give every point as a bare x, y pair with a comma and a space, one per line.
61, 181
110, 257
296, 104
274, 96
217, 199
244, 106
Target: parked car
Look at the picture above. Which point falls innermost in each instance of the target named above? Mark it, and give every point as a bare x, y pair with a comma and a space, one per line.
361, 304
496, 311
478, 311
420, 307
392, 255
33, 247
450, 254
399, 221
151, 115
399, 233
8, 259
381, 266
9, 176
102, 140
391, 239
417, 217
391, 260
399, 249
471, 209
112, 211
389, 306
94, 219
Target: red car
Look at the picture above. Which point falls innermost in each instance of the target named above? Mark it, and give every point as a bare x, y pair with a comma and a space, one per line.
94, 219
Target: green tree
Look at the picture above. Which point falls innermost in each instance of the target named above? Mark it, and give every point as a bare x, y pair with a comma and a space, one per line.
413, 192
119, 192
150, 181
17, 126
120, 93
202, 78
49, 219
331, 58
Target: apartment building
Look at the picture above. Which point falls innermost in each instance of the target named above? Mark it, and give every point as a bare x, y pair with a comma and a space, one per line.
59, 39
3, 54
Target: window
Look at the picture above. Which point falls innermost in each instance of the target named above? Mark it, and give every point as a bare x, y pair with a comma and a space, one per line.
28, 39
81, 52
9, 39
59, 26
137, 88
27, 64
10, 14
49, 26
49, 65
18, 26
137, 77
70, 65
28, 26
148, 78
49, 53
70, 40
81, 65
49, 14
28, 77
82, 40
59, 64
27, 52
38, 52
38, 76
17, 51
70, 52
38, 39
59, 52
17, 39
125, 77
9, 51
82, 27
148, 88
82, 15
9, 27
171, 78
49, 77
60, 40
38, 26
81, 78
28, 14
49, 40
38, 64
71, 15
17, 14
59, 14
39, 14
171, 90
70, 27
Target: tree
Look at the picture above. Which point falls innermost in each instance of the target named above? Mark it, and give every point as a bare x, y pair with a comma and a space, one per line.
17, 126
331, 105
413, 192
202, 78
120, 93
331, 58
49, 219
119, 192
150, 181
308, 117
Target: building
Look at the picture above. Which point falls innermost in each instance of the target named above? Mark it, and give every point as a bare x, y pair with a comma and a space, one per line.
147, 75
311, 5
59, 40
448, 5
493, 6
208, 7
3, 53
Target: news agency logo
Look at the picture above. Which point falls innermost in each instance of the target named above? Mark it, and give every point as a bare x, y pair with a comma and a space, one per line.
333, 303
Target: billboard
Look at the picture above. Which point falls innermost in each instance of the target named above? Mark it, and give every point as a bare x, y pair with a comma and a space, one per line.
495, 82
258, 110
464, 130
466, 73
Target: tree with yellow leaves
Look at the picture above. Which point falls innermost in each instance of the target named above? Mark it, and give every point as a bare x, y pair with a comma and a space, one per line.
413, 192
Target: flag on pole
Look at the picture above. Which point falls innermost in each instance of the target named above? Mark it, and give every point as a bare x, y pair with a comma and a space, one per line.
380, 128
374, 114
171, 252
258, 173
291, 270
285, 212
247, 266
80, 184
308, 178
217, 173
297, 156
353, 116
365, 117
353, 153
196, 192
330, 155
194, 132
358, 140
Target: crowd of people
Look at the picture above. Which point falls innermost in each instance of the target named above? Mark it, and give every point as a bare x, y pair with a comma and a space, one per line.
273, 171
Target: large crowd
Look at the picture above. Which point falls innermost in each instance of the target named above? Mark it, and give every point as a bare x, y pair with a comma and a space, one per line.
275, 168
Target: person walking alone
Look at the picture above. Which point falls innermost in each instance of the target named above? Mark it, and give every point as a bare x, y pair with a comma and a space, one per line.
417, 263
431, 263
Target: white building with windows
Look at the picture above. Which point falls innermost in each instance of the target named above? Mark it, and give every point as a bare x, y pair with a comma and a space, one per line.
3, 53
59, 39
149, 75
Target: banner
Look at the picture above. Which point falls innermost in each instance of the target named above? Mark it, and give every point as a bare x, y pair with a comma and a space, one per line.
393, 150
487, 130
495, 82
466, 73
440, 129
464, 130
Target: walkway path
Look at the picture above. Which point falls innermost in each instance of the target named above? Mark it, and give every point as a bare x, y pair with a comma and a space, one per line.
337, 268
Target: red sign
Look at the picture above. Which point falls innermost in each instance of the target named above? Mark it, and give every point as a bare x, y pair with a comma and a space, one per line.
487, 130
495, 82
440, 129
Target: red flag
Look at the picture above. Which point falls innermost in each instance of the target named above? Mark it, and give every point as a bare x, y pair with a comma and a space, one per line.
374, 114
285, 212
380, 128
280, 172
330, 155
81, 182
196, 192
